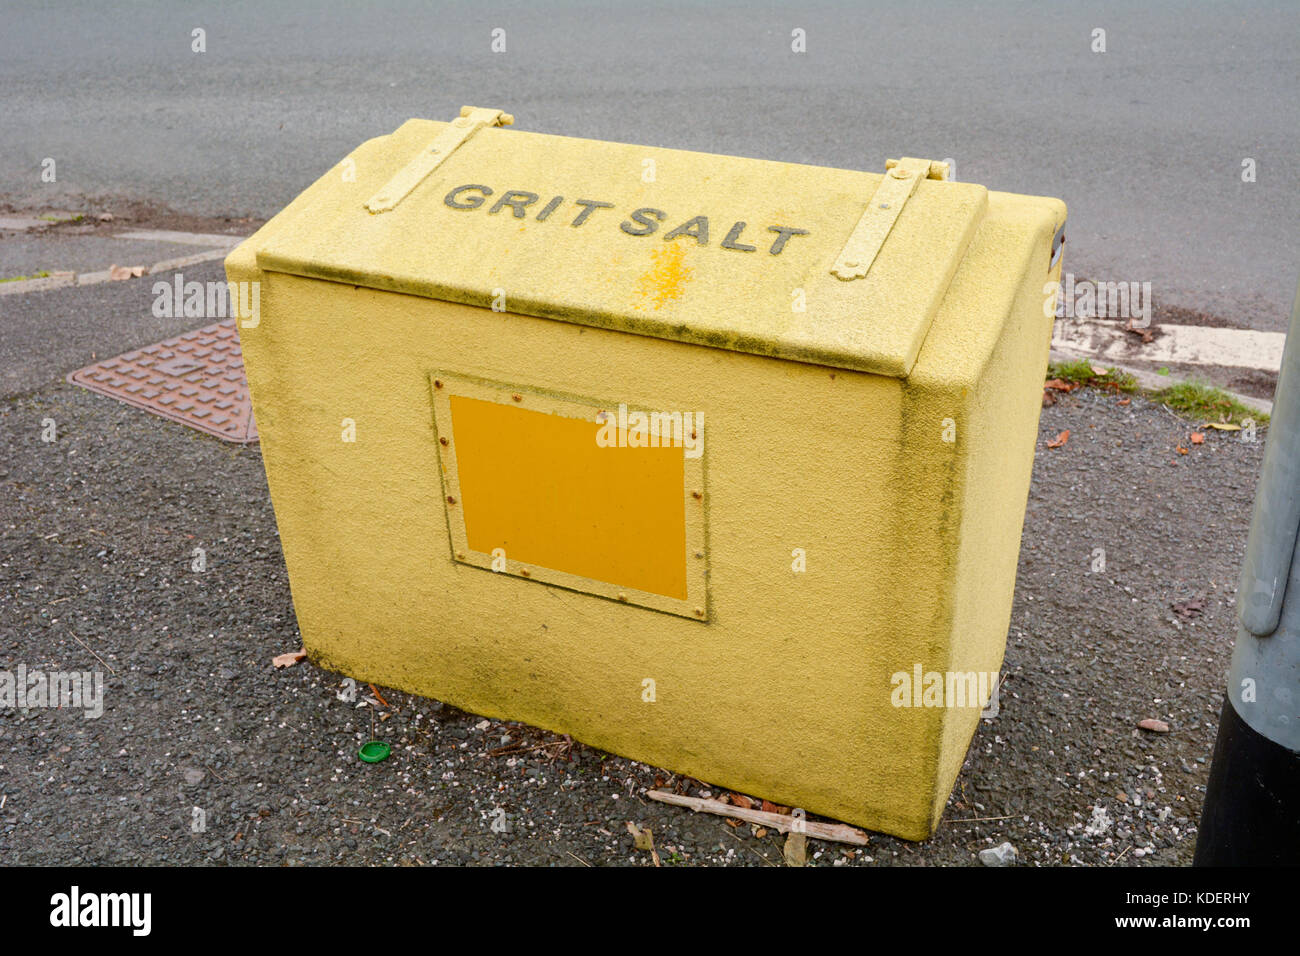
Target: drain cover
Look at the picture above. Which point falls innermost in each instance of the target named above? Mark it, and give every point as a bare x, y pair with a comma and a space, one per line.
196, 379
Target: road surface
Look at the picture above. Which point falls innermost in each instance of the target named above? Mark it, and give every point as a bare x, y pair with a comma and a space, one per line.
1144, 141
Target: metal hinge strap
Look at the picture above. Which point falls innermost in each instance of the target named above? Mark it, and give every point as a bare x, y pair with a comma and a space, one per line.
869, 235
471, 120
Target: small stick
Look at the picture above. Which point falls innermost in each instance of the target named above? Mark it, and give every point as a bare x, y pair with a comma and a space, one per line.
518, 749
834, 832
979, 819
375, 690
761, 856
92, 653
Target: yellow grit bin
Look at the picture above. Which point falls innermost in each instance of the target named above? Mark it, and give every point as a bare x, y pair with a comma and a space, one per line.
716, 463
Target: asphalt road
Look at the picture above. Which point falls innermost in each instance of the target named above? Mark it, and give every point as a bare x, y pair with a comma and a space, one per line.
1145, 141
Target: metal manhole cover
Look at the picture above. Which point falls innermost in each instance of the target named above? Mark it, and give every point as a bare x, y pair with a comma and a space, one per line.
196, 379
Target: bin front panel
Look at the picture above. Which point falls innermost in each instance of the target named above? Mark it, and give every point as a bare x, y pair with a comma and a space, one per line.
783, 692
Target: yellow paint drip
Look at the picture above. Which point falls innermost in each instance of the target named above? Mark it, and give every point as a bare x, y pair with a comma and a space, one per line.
667, 279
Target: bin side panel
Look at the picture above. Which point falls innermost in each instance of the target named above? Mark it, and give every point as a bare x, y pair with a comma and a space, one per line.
1000, 400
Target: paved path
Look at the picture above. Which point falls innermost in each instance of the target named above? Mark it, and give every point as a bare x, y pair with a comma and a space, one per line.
1145, 142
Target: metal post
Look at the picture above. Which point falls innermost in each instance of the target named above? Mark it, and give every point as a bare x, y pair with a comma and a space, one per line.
1252, 804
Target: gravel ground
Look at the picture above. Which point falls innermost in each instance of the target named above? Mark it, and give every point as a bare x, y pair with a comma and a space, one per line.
96, 549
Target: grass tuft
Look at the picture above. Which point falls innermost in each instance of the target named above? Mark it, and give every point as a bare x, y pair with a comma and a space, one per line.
1199, 402
1205, 403
1083, 372
39, 275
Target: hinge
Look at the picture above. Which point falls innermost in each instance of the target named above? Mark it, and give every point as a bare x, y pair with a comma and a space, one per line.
471, 120
869, 235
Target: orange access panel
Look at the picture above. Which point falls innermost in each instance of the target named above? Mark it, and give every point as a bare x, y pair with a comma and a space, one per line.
561, 490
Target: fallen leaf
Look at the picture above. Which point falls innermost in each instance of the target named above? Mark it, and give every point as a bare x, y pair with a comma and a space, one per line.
641, 836
1153, 725
1198, 438
1191, 608
288, 660
1060, 385
1222, 426
770, 807
1124, 401
1098, 370
1060, 439
742, 801
1182, 450
1048, 398
760, 832
1145, 334
796, 849
644, 840
117, 273
731, 822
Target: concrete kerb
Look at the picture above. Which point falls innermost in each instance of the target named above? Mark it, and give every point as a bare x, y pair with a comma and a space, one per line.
58, 280
1149, 381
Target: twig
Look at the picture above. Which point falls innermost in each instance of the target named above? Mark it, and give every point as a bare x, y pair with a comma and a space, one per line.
834, 832
1121, 856
570, 852
981, 819
761, 856
521, 749
375, 691
92, 653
